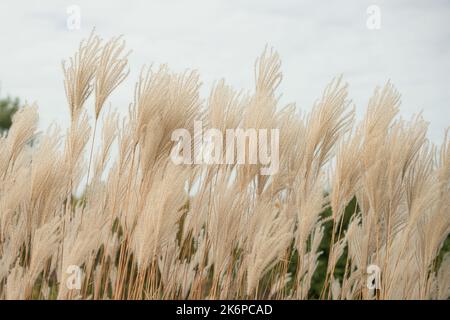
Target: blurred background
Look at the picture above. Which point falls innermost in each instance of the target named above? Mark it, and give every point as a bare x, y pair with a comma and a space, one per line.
369, 42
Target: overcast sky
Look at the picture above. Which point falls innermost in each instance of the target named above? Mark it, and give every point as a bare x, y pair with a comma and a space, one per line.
317, 40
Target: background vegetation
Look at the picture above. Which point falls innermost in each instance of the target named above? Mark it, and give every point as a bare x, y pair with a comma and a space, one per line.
8, 107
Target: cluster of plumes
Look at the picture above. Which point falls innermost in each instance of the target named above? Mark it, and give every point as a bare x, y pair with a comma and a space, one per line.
145, 228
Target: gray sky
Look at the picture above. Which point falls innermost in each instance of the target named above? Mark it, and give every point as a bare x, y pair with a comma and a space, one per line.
222, 38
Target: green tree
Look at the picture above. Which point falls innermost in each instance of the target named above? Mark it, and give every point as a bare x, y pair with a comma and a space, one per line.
8, 106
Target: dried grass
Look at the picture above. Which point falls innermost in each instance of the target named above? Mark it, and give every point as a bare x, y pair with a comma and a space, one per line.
147, 229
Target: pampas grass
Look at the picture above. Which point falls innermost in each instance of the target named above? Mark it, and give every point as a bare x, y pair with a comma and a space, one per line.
145, 228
